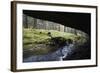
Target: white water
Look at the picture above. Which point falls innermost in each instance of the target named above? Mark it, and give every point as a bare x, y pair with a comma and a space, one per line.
58, 55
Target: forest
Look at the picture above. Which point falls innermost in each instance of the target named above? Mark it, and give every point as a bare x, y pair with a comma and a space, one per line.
42, 37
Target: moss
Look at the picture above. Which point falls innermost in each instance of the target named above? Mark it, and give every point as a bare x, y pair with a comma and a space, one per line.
33, 38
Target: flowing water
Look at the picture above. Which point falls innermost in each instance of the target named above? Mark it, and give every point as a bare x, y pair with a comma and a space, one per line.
58, 55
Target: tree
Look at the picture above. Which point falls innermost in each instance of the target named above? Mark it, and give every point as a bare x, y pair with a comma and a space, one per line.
35, 23
25, 21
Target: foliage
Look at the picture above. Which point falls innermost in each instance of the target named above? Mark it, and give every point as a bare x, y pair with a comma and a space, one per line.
37, 41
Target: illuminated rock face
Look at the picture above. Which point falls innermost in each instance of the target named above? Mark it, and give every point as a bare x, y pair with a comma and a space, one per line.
58, 55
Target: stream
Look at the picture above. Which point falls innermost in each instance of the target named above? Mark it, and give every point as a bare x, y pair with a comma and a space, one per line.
58, 55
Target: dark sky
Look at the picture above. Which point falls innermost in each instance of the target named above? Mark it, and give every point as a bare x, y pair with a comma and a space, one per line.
79, 21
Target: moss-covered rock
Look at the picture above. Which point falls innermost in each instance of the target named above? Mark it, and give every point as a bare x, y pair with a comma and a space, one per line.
37, 41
